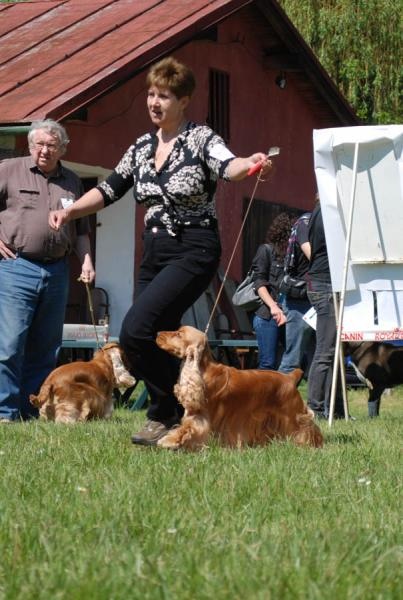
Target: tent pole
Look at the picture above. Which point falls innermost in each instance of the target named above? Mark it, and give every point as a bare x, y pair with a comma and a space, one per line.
340, 312
341, 357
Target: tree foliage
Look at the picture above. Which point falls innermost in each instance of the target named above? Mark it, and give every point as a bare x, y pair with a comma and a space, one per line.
359, 44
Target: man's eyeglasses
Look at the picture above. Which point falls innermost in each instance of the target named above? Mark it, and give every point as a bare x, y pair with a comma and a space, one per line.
50, 147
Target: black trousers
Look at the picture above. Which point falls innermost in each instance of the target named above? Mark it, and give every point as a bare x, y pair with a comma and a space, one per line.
321, 372
174, 272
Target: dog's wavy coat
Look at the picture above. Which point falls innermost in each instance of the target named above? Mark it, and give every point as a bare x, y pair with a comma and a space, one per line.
248, 407
80, 390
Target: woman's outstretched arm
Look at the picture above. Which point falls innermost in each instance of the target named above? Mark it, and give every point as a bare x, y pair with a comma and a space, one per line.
89, 203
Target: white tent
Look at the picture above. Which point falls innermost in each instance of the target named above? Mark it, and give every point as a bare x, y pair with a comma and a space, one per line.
359, 172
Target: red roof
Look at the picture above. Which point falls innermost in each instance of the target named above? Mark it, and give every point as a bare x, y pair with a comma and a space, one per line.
57, 55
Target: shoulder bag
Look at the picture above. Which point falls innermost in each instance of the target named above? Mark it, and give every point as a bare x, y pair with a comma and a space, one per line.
245, 295
293, 287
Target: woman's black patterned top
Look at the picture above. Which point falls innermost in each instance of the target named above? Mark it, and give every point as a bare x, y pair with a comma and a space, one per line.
180, 194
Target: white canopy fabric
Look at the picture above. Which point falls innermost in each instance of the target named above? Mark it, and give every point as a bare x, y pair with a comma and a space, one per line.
359, 172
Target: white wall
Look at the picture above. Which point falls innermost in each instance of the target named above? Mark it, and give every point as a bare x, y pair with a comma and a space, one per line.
115, 248
115, 257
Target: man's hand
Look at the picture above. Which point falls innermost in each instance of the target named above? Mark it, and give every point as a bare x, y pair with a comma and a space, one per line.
6, 252
87, 270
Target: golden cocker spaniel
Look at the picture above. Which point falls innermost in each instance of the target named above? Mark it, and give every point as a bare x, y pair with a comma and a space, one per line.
80, 390
249, 407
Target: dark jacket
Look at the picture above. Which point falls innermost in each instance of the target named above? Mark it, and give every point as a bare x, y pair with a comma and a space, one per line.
268, 269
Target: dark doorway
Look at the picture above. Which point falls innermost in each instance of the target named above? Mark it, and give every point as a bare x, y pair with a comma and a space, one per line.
76, 304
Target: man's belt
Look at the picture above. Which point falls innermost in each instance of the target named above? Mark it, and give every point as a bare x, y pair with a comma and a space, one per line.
42, 259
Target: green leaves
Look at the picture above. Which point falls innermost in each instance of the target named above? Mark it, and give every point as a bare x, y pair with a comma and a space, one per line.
359, 44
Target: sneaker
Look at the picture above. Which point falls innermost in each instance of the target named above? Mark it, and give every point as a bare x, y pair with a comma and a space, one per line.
152, 432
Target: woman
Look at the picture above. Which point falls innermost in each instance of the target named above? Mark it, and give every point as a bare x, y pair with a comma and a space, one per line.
268, 266
174, 172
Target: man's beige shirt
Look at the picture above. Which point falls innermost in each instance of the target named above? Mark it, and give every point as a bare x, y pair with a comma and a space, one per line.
26, 197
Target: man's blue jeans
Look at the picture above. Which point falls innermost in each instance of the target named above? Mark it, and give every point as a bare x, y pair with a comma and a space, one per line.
33, 299
321, 371
298, 336
267, 334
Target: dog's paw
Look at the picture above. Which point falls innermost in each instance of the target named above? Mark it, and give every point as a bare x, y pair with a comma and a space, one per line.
168, 442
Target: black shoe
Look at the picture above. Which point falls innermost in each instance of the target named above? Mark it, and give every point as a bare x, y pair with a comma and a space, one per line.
152, 432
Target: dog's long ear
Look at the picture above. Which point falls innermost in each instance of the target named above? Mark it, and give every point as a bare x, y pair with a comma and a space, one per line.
85, 412
194, 354
122, 376
296, 375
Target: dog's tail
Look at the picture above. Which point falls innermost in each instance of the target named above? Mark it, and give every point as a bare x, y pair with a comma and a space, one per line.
46, 394
296, 375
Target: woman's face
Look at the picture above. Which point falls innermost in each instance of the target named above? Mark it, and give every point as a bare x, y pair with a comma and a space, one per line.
165, 109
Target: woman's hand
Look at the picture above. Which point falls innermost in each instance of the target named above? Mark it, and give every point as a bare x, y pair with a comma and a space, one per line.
275, 310
88, 204
259, 163
57, 218
239, 168
278, 315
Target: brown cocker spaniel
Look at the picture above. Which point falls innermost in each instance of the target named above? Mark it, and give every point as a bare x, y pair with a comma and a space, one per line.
249, 407
80, 390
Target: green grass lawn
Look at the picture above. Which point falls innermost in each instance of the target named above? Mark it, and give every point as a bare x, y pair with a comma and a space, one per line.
86, 515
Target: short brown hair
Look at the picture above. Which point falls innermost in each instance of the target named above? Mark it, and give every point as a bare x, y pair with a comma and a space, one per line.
170, 74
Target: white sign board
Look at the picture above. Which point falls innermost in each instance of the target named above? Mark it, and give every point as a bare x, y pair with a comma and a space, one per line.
82, 332
367, 203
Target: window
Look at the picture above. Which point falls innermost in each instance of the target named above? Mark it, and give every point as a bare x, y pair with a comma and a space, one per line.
218, 103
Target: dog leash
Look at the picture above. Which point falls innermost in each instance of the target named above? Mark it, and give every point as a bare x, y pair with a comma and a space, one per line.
257, 168
220, 290
91, 307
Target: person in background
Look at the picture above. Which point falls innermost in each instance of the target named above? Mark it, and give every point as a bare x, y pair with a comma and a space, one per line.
173, 171
299, 336
268, 268
320, 295
34, 274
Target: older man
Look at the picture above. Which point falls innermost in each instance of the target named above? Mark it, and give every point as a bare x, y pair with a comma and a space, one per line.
34, 272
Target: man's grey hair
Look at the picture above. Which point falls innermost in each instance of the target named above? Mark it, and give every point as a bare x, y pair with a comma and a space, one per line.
52, 127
